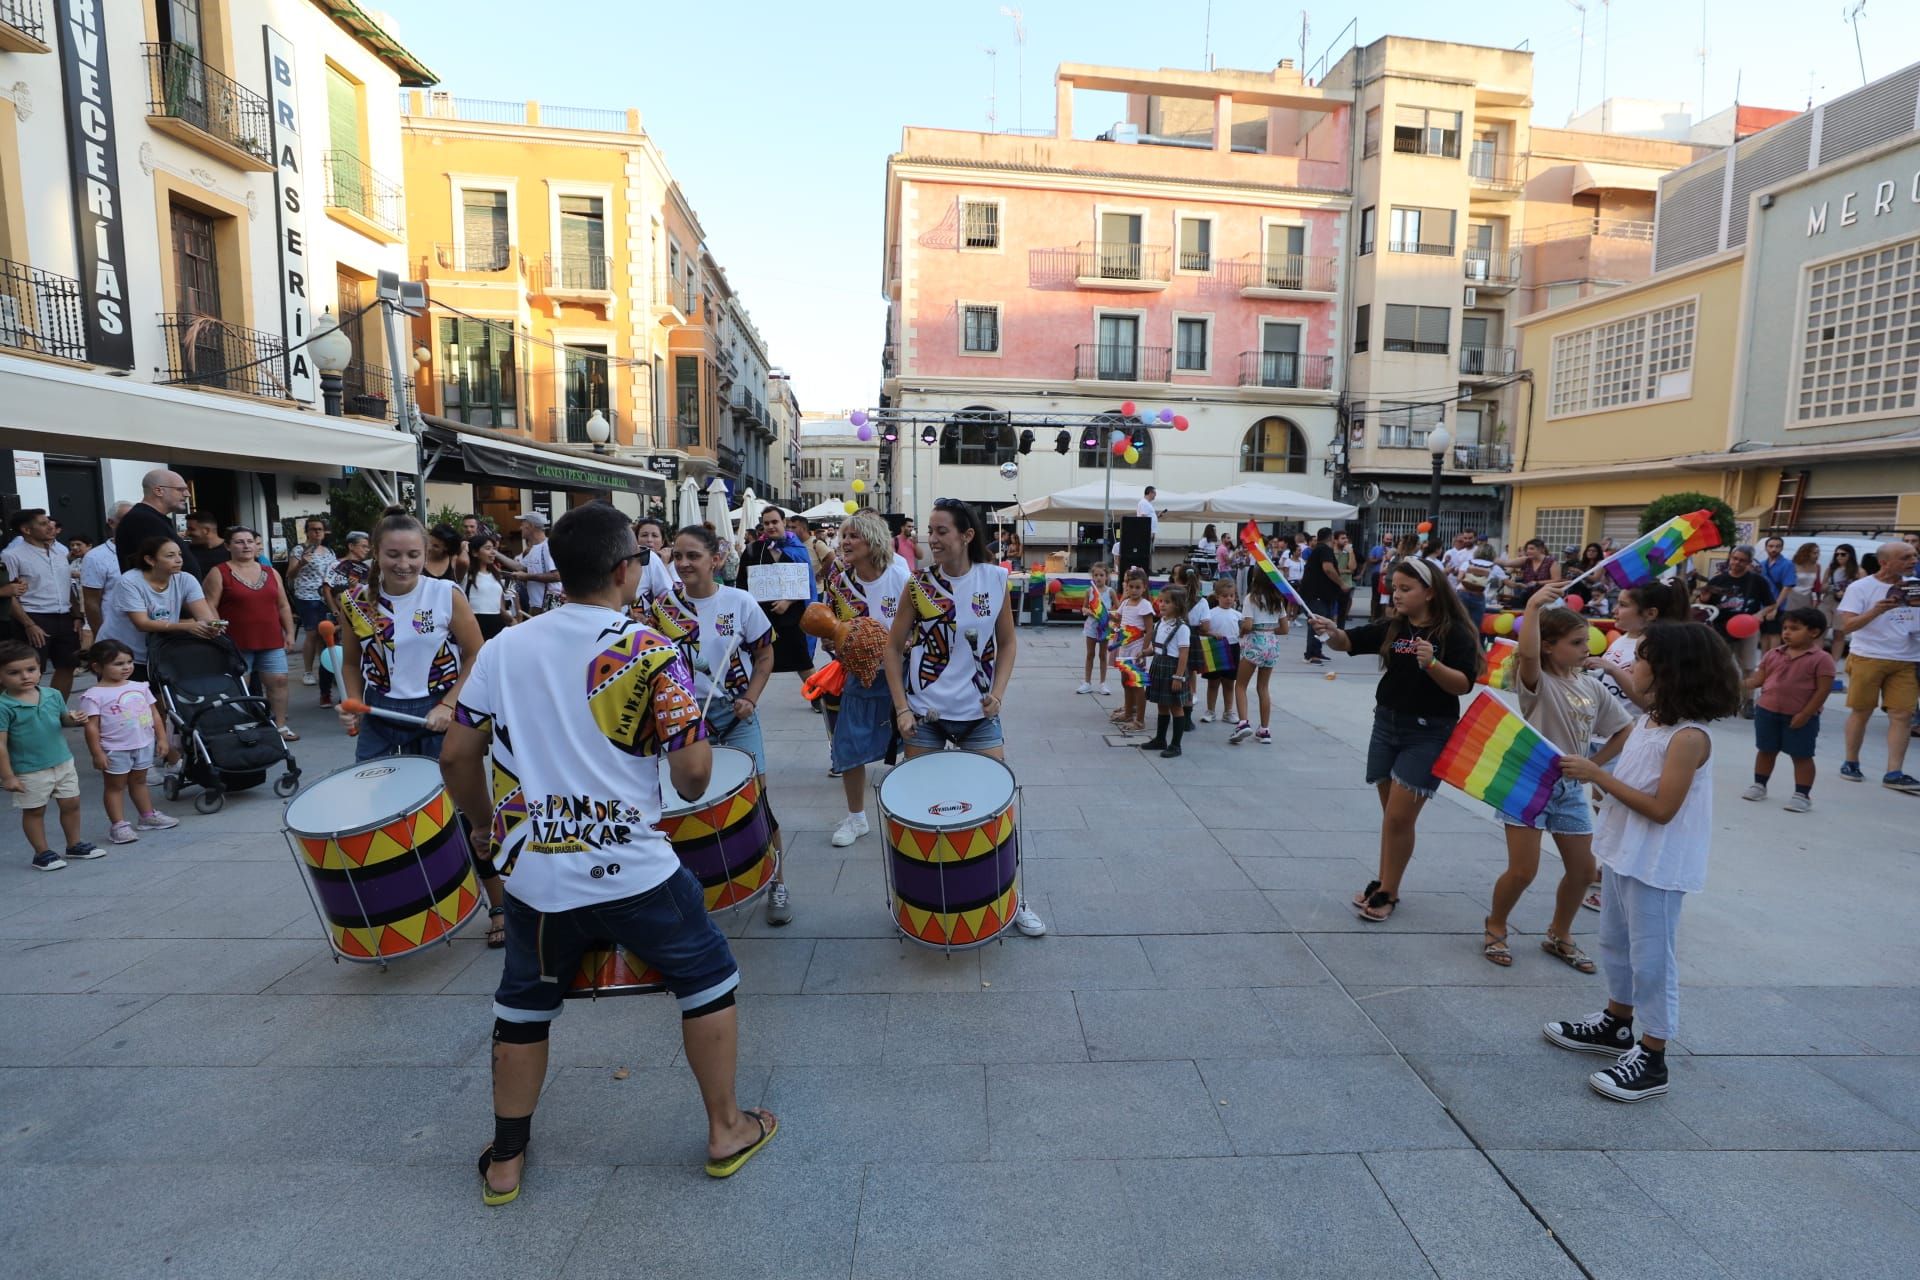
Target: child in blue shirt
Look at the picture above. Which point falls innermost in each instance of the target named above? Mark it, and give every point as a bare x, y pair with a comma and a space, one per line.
35, 761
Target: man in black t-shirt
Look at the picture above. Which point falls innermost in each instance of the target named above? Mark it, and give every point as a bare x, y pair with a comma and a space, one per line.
1740, 589
163, 494
1320, 587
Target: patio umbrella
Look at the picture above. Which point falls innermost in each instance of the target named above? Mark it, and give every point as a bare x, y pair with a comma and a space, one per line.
1253, 500
717, 513
750, 506
687, 511
831, 509
1089, 502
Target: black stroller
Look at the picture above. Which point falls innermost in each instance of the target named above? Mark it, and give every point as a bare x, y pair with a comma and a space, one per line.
226, 734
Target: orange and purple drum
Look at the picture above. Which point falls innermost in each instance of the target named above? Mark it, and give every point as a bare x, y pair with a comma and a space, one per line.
610, 970
385, 858
953, 848
726, 836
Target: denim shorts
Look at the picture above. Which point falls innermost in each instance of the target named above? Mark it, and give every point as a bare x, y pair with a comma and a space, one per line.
667, 928
1404, 748
265, 662
1569, 811
967, 735
121, 763
1772, 733
309, 613
742, 735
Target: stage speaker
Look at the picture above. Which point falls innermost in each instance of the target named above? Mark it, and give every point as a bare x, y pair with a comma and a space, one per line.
1136, 543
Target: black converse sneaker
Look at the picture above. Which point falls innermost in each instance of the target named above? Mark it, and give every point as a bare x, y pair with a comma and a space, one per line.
1596, 1033
1637, 1075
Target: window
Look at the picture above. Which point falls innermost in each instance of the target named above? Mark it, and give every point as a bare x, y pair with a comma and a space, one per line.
1190, 345
1425, 131
1279, 354
343, 140
483, 224
1362, 326
836, 468
586, 389
1274, 445
483, 387
1405, 426
1632, 360
583, 243
1196, 244
1420, 231
1096, 452
1560, 527
977, 437
979, 224
1372, 145
686, 398
1860, 347
1369, 220
981, 329
1423, 330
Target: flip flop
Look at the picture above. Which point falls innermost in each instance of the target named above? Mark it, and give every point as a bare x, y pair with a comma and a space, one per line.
727, 1166
488, 1195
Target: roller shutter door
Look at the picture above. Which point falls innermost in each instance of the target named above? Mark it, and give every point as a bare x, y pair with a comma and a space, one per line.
1622, 524
1846, 515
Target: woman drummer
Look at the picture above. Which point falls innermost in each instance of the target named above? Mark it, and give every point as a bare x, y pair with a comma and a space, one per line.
866, 581
951, 650
727, 641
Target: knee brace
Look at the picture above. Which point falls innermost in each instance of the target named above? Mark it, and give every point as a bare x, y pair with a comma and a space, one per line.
505, 1032
717, 1005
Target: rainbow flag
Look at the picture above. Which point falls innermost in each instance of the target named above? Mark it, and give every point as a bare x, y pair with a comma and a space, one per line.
1212, 654
1073, 594
1498, 672
1653, 553
1096, 613
1122, 635
1133, 672
1497, 757
1257, 548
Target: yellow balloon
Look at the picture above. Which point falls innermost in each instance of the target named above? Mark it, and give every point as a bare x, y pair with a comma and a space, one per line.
849, 507
1503, 625
1596, 641
859, 486
1132, 454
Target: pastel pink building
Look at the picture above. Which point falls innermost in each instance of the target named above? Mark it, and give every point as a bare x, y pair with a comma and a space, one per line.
1190, 256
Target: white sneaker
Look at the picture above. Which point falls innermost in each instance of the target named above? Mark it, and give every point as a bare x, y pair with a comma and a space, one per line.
851, 828
1754, 791
307, 677
1205, 717
1028, 923
1797, 803
1105, 691
1086, 686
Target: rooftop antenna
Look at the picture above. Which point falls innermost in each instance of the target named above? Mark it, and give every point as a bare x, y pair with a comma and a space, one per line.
1606, 46
1580, 70
1019, 66
993, 90
1853, 12
1703, 59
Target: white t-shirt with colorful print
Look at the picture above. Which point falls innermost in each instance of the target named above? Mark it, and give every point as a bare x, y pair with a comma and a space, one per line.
950, 664
406, 642
706, 629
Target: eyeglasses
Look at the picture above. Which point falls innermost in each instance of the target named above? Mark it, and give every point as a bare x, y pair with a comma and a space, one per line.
949, 504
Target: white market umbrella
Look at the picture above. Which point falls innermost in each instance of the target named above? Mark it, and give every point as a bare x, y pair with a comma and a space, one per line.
717, 513
1256, 501
688, 510
1089, 502
831, 509
749, 516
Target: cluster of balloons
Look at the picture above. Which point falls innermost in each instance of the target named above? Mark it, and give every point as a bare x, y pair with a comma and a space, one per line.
1166, 417
1511, 624
860, 428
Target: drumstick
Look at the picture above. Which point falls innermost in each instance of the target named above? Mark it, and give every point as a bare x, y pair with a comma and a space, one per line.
354, 706
726, 659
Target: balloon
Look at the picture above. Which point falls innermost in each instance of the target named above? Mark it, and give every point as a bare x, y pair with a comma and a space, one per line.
1121, 448
849, 507
1425, 526
1742, 625
858, 418
864, 431
1128, 408
1519, 621
1166, 415
1132, 454
1180, 422
1574, 603
331, 658
1488, 623
1503, 625
1596, 641
1116, 437
1054, 585
859, 486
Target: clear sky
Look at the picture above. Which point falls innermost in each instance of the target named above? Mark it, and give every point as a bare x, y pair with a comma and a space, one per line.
777, 116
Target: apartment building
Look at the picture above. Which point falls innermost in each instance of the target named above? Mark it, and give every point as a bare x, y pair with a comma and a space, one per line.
784, 407
832, 457
185, 188
1188, 259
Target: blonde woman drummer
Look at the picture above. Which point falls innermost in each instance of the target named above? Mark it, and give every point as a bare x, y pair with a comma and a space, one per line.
866, 581
950, 653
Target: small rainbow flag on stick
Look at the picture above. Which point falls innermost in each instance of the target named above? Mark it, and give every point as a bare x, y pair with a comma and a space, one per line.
1653, 553
1133, 672
1257, 548
1212, 654
1097, 614
1497, 757
1498, 673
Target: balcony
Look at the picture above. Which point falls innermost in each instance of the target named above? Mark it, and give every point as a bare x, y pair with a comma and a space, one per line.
1486, 362
41, 312
1285, 275
685, 432
1104, 362
1490, 270
362, 199
725, 366
587, 276
22, 28
480, 258
1585, 228
1420, 246
1496, 174
189, 100
1121, 266
1286, 369
730, 458
204, 351
890, 360
1481, 457
675, 300
366, 391
569, 423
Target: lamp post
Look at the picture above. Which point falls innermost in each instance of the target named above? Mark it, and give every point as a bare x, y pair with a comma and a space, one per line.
332, 352
1437, 443
599, 431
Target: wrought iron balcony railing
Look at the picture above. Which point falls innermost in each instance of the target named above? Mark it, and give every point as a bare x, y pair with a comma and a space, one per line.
475, 255
681, 295
577, 273
1482, 457
1419, 246
204, 351
1103, 260
1491, 267
41, 311
354, 186
24, 16
1486, 362
569, 422
1499, 169
366, 390
685, 432
1285, 271
1107, 362
1286, 369
182, 87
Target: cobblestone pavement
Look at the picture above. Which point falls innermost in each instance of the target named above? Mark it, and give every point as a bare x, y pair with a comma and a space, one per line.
1208, 1065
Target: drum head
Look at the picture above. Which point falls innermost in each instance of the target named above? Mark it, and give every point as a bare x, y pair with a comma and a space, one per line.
364, 795
731, 769
947, 791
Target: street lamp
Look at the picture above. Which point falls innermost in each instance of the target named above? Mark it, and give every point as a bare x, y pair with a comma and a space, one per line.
599, 431
1437, 442
332, 352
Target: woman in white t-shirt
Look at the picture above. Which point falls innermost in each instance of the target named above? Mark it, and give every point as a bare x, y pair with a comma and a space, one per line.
866, 581
485, 586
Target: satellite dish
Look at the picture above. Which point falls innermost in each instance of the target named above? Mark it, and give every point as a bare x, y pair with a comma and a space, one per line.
1370, 494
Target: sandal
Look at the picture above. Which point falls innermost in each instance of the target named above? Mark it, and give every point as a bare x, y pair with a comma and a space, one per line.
1360, 898
727, 1166
1496, 948
488, 1195
1379, 907
287, 734
1564, 949
496, 928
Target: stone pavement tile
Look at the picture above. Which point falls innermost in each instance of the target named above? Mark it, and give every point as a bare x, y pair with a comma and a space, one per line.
1134, 1025
1320, 1020
772, 966
76, 915
821, 915
1060, 963
1168, 911
1391, 955
1306, 1106
850, 1115
618, 1031
1304, 1217
964, 1221
1779, 1104
810, 1030
399, 1031
1465, 1218
1605, 1219
1240, 808
54, 968
843, 966
1751, 1021
119, 873
480, 976
1306, 875
774, 1221
1331, 910
240, 966
1149, 842
1101, 1110
1496, 1020
1888, 1018
1520, 1102
421, 972
1204, 868
42, 1029
238, 879
214, 915
984, 1026
652, 1116
1233, 960
198, 1031
1891, 1084
1895, 1172
1782, 1213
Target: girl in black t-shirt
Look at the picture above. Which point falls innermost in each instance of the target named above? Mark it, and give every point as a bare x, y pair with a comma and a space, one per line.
1429, 657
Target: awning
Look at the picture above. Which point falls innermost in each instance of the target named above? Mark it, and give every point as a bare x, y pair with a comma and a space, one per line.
461, 454
1253, 500
1591, 175
60, 409
1091, 502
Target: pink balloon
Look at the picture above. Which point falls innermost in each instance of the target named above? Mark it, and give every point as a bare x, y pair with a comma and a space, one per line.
1120, 447
1128, 408
1574, 603
1180, 422
1742, 625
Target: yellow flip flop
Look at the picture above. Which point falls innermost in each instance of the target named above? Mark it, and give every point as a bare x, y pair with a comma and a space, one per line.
494, 1199
727, 1166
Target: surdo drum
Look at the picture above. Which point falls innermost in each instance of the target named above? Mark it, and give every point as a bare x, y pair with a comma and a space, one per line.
953, 849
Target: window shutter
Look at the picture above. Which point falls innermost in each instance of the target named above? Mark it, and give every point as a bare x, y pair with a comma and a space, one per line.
1400, 323
1433, 324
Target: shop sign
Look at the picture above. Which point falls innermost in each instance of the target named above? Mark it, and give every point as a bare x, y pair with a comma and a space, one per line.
664, 464
93, 171
295, 322
1885, 193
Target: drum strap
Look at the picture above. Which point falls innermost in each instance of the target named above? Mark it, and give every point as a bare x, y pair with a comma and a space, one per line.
510, 1134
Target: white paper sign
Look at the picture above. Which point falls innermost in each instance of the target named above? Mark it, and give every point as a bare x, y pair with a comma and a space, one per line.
768, 582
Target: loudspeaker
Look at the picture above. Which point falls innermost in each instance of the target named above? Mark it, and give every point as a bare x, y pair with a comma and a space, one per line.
1136, 543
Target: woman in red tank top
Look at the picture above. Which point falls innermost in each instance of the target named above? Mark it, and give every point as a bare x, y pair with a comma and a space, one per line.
251, 600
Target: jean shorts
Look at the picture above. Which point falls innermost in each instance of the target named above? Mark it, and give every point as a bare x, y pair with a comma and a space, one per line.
967, 735
121, 763
667, 928
309, 613
1569, 811
1404, 748
742, 735
265, 662
1771, 733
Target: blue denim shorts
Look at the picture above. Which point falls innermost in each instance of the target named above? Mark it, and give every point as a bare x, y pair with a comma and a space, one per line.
266, 662
967, 735
667, 927
1405, 748
309, 613
742, 735
1569, 811
1772, 732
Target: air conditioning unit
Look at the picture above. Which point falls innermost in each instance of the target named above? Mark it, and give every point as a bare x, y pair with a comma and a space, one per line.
1470, 296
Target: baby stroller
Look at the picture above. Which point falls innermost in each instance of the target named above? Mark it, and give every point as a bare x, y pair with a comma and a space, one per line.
226, 734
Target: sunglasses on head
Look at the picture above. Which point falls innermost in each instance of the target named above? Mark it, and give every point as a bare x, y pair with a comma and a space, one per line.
949, 504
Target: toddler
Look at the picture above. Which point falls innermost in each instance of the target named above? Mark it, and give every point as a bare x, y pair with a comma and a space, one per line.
125, 737
1223, 623
35, 763
1794, 680
1095, 629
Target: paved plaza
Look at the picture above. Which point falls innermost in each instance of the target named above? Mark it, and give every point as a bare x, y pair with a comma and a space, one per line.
1207, 1067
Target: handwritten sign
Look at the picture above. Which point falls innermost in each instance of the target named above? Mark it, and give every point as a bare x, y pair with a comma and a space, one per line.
768, 582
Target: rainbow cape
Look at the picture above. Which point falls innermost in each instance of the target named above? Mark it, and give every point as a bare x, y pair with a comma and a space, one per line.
1655, 552
1211, 654
1498, 673
1257, 548
1497, 757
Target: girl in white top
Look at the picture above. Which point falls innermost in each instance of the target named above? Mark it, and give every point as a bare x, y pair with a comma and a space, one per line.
1223, 623
866, 581
1167, 679
1095, 630
485, 586
1655, 828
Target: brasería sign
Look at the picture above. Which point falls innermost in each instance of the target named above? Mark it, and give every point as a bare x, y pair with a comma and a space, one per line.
295, 320
94, 174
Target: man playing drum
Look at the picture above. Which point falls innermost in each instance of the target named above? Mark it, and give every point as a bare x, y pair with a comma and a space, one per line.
567, 714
